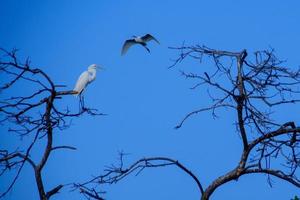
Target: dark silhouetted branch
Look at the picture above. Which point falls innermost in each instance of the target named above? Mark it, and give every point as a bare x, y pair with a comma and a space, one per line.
32, 113
116, 173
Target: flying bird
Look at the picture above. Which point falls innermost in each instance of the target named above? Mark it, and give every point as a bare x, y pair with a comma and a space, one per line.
85, 78
142, 40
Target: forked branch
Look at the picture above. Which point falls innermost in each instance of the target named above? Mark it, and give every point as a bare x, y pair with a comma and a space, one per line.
32, 113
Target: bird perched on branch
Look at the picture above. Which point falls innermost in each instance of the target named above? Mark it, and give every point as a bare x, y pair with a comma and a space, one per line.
142, 40
86, 78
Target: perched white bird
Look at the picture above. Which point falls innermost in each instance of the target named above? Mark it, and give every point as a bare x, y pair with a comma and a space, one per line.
142, 40
86, 78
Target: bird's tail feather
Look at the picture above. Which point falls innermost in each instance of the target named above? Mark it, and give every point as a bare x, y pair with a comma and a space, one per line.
76, 94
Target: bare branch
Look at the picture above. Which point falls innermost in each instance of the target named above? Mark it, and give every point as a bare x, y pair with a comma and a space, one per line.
63, 147
260, 85
34, 115
276, 173
53, 191
116, 173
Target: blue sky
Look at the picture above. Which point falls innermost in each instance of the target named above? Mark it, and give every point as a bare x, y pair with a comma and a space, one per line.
143, 99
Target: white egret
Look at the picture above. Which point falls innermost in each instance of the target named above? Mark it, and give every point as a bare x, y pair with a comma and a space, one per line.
142, 40
85, 78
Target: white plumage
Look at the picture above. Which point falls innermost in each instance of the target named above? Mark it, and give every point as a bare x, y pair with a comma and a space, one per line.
85, 78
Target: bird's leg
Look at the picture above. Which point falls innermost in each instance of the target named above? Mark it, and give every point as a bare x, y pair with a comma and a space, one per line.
81, 102
145, 45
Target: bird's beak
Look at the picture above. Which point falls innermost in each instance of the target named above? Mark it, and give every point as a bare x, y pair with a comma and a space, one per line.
100, 68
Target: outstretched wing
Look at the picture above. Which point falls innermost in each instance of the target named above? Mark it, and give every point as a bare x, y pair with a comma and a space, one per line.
82, 82
127, 45
149, 37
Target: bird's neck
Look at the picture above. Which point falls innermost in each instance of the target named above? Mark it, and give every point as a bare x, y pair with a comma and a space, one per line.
92, 75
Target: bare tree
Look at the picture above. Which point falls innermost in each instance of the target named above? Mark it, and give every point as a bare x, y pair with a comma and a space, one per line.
34, 114
253, 87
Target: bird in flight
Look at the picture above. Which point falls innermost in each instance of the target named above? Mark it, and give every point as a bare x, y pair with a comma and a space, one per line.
142, 40
86, 78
